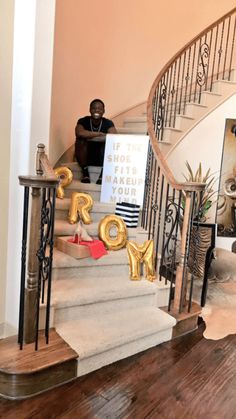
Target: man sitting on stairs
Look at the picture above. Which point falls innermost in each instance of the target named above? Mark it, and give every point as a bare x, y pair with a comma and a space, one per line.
90, 134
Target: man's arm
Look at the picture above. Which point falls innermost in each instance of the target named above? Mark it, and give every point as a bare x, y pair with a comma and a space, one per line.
112, 130
81, 132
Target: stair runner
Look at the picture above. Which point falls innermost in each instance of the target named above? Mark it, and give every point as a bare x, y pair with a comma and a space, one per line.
97, 310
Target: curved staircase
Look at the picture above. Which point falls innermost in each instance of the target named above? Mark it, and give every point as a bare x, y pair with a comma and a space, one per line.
95, 308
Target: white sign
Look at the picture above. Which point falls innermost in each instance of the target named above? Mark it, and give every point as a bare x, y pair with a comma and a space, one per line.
124, 168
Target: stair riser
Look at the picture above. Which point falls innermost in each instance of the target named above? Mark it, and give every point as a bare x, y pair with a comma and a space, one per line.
171, 135
100, 308
195, 111
95, 362
77, 174
94, 194
96, 216
233, 76
183, 123
68, 230
132, 131
209, 99
136, 125
97, 271
94, 171
223, 88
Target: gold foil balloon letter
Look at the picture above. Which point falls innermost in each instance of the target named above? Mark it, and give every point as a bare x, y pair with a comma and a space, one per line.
66, 177
141, 254
81, 204
105, 225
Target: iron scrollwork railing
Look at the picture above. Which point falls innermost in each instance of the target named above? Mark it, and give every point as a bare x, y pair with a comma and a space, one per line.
209, 57
169, 210
37, 250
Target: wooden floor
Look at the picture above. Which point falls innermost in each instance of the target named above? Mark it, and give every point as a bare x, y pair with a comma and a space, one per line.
190, 377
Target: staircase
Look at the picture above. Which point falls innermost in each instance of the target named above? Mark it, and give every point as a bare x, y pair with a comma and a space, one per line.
97, 310
100, 316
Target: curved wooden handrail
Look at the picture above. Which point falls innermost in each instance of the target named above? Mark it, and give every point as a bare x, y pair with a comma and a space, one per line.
153, 137
203, 32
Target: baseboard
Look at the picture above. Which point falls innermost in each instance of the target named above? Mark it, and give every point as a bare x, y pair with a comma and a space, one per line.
6, 330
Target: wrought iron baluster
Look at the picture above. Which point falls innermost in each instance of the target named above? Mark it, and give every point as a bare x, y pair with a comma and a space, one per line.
214, 57
192, 73
182, 84
203, 61
191, 224
163, 248
226, 46
168, 94
209, 61
23, 267
147, 180
154, 172
157, 103
176, 226
161, 108
154, 107
220, 51
159, 216
177, 91
232, 48
40, 255
49, 279
149, 188
155, 205
187, 77
173, 93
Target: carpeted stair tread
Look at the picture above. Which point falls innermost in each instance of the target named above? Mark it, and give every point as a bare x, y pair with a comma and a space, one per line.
70, 292
64, 204
62, 260
64, 228
78, 186
92, 336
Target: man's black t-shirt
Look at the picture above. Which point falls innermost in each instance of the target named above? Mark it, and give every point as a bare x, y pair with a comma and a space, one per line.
87, 124
95, 150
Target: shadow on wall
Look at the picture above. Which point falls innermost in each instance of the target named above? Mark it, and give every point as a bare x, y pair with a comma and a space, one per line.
67, 157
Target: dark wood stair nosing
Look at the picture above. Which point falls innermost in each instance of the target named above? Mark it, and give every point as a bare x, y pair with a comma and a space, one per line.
25, 373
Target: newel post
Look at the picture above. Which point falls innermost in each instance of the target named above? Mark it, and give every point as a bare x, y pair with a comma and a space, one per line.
181, 272
36, 264
40, 153
31, 290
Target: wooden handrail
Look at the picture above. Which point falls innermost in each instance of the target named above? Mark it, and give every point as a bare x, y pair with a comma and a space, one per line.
153, 137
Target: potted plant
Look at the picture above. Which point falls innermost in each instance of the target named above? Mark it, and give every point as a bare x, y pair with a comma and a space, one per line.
203, 199
202, 239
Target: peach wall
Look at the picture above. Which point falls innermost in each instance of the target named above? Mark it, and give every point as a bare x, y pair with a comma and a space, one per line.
114, 49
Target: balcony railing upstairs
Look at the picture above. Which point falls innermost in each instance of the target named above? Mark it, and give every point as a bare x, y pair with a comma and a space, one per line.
37, 248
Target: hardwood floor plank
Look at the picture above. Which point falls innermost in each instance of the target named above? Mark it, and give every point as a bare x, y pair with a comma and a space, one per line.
188, 378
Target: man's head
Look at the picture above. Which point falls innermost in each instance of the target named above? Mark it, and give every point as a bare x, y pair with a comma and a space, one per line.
97, 108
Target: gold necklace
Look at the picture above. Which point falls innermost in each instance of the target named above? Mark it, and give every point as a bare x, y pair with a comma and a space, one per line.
94, 128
